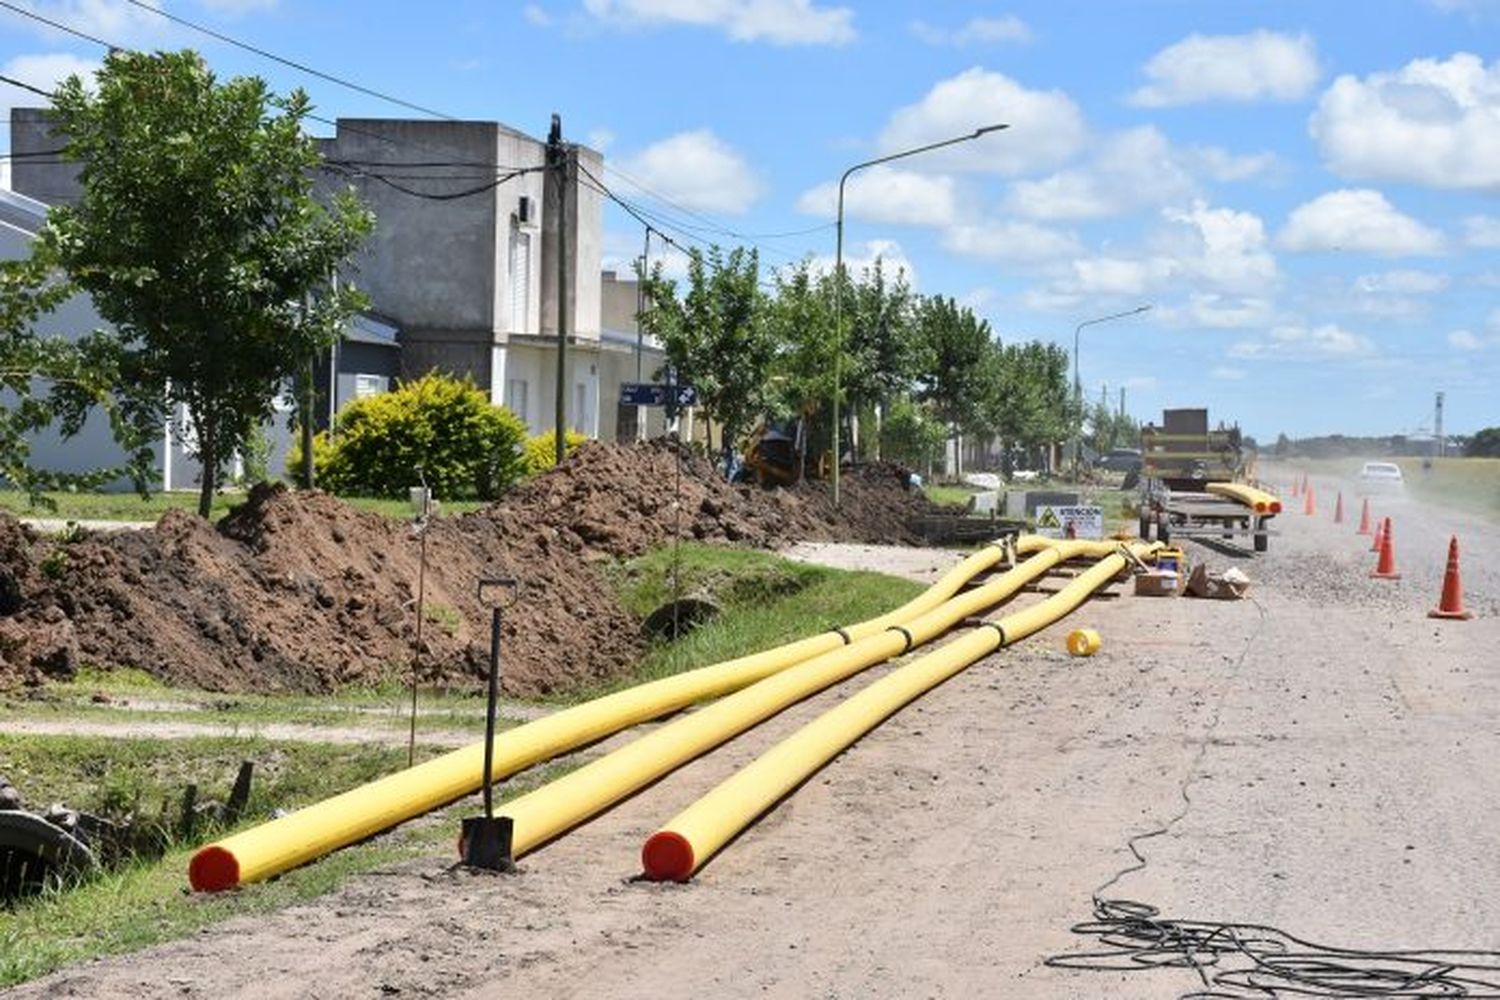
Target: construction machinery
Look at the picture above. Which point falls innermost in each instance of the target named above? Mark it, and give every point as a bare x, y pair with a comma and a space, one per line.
1194, 482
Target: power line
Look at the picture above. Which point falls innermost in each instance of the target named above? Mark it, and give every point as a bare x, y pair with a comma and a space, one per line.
25, 86
710, 224
300, 67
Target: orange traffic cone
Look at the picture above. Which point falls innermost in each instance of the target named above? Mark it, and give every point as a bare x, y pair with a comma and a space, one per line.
1385, 568
1338, 509
1379, 533
1310, 507
1364, 518
1451, 605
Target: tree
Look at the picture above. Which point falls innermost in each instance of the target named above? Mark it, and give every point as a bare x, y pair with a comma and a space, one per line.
951, 372
801, 328
1029, 402
199, 239
718, 341
55, 381
879, 339
1484, 444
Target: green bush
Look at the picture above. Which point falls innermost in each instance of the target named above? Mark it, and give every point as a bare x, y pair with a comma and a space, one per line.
467, 448
910, 436
541, 451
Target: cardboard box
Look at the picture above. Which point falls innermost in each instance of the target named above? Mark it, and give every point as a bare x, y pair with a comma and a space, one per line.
1157, 583
1230, 585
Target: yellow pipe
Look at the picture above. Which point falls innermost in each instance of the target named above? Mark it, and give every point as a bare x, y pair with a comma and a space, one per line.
314, 831
543, 814
694, 835
1256, 499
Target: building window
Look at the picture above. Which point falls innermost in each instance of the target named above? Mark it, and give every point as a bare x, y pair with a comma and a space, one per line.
515, 397
520, 279
370, 385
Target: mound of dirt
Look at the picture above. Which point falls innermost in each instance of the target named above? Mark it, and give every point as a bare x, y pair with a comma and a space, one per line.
299, 591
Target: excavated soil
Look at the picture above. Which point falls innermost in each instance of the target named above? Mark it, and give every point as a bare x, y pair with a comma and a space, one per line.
298, 591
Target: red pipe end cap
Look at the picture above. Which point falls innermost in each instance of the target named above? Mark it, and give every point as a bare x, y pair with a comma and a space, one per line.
213, 869
668, 857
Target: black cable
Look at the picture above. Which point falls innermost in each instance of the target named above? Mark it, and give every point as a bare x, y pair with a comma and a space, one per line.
300, 67
25, 86
345, 127
389, 181
1268, 961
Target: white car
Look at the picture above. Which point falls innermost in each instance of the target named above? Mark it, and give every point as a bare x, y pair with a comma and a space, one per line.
1380, 476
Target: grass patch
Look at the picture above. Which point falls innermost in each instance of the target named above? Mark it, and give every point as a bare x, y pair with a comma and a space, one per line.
1467, 484
145, 903
767, 601
131, 507
950, 496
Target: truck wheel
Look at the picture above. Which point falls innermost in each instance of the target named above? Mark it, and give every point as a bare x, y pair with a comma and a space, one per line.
1163, 533
1262, 540
1145, 528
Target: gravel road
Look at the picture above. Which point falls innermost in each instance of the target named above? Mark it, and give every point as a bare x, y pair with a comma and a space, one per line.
1320, 758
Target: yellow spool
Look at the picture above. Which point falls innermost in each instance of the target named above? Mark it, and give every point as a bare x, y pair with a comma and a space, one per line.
1083, 642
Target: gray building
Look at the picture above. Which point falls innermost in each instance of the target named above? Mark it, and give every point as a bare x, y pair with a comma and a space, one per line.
465, 262
462, 274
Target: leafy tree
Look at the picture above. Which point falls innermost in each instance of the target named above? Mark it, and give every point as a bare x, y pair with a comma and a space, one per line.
909, 435
466, 447
199, 239
800, 324
1484, 444
718, 340
1027, 399
952, 372
54, 381
880, 340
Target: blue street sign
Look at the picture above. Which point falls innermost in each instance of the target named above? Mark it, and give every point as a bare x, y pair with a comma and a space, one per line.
649, 394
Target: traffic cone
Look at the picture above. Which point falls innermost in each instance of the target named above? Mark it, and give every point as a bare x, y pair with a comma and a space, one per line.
1338, 509
1379, 534
1364, 518
1451, 604
1309, 507
1385, 568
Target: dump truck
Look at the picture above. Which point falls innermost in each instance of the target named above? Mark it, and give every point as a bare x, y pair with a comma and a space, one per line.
1195, 482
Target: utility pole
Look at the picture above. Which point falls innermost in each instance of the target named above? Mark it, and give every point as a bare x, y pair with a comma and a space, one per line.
557, 161
640, 329
1437, 426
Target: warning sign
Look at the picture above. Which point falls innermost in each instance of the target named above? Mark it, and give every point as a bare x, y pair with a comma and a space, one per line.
1070, 522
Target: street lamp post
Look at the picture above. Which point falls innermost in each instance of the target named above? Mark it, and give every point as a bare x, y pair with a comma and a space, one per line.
1078, 385
838, 275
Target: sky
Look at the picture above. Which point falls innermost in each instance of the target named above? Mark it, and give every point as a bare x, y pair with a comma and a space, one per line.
1306, 194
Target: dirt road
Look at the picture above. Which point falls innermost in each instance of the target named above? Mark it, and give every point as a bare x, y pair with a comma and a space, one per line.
1337, 748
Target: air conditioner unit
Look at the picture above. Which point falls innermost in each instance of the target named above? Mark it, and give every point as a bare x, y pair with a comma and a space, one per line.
523, 209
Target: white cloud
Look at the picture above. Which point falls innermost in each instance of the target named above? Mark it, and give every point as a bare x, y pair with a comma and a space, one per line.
600, 138
1221, 165
1216, 311
975, 31
1431, 122
1217, 253
1131, 170
1046, 126
1463, 340
886, 194
43, 71
862, 256
1482, 231
780, 22
1011, 241
1262, 65
695, 169
1359, 220
1227, 373
112, 20
1296, 342
1402, 283
536, 15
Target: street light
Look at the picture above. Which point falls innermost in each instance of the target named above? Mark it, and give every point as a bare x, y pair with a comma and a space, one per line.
838, 275
1078, 386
